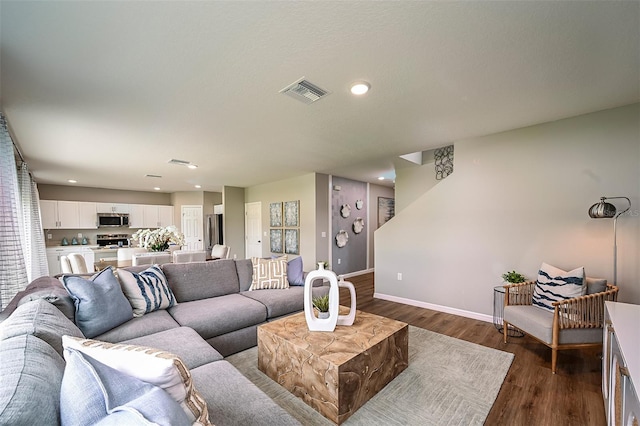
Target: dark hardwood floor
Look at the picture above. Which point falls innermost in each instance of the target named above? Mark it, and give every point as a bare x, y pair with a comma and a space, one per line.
530, 394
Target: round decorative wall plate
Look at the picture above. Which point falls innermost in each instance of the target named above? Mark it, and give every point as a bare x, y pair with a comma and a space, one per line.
359, 204
345, 210
358, 225
342, 238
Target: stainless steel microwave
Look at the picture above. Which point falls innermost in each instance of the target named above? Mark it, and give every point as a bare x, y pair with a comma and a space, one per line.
112, 220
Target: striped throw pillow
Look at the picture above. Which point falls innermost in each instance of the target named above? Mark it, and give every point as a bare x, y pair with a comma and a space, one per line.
159, 368
147, 291
269, 273
554, 284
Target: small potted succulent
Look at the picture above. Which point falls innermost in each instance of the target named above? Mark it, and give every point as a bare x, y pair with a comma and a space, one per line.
513, 277
322, 305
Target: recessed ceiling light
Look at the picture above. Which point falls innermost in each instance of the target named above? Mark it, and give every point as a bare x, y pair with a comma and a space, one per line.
72, 181
198, 186
192, 166
360, 88
381, 178
157, 188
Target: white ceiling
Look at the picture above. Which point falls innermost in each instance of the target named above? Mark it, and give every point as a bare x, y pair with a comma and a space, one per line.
106, 92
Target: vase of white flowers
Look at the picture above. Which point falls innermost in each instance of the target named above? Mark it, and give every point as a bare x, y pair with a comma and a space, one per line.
158, 239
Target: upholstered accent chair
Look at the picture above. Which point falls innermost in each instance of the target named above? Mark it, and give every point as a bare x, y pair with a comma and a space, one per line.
78, 264
151, 258
574, 323
220, 251
186, 256
126, 253
65, 265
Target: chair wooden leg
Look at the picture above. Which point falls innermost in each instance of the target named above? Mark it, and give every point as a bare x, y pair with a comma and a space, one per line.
505, 326
554, 359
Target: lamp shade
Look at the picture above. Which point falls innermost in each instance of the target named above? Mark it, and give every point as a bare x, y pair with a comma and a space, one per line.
602, 210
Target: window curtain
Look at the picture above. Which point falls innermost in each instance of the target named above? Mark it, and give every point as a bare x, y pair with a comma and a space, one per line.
13, 270
33, 245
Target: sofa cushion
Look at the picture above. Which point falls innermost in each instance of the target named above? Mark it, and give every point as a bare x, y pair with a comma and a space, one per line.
269, 273
279, 302
31, 373
539, 323
93, 393
147, 291
41, 319
244, 267
203, 280
57, 296
219, 315
595, 285
100, 303
140, 326
234, 401
150, 365
554, 284
41, 283
182, 341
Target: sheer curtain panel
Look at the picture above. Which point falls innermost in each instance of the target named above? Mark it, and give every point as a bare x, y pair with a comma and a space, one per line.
13, 272
33, 245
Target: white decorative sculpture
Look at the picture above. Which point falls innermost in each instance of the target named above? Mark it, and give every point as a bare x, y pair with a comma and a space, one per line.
329, 324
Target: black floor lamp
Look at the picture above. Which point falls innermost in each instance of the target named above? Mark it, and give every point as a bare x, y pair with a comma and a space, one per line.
603, 210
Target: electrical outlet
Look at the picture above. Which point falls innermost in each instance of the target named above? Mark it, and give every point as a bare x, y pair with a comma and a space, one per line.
339, 260
399, 276
49, 236
79, 234
324, 234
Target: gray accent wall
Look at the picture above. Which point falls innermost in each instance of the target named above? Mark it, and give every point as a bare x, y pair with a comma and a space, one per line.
233, 220
517, 199
353, 256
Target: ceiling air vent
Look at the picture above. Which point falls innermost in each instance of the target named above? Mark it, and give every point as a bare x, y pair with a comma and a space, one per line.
153, 176
304, 91
179, 162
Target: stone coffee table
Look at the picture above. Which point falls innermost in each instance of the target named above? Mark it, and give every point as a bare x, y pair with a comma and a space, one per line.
334, 372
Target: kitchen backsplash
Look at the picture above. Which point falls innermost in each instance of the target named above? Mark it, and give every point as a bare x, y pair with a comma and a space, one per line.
90, 234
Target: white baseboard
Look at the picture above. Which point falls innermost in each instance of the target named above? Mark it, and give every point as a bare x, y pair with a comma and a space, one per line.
439, 308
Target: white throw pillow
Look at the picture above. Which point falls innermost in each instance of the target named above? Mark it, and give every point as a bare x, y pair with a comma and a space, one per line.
160, 368
554, 284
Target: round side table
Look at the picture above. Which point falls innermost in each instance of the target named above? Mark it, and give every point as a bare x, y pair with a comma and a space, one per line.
498, 311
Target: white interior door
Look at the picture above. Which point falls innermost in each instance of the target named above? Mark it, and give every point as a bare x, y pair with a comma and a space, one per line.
253, 229
192, 227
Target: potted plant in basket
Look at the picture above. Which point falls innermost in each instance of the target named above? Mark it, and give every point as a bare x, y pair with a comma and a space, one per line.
513, 277
322, 305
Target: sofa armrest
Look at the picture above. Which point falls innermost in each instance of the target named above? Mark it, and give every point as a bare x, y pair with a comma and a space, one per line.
585, 311
519, 294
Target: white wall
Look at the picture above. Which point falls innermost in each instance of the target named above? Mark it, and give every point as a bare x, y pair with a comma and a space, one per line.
514, 200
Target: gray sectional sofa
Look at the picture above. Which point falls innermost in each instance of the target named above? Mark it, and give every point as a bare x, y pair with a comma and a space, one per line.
216, 315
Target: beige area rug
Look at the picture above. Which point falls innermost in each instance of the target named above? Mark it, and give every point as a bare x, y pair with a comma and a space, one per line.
448, 382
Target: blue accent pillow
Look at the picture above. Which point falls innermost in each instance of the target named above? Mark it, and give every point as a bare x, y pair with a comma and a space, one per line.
93, 393
295, 273
100, 303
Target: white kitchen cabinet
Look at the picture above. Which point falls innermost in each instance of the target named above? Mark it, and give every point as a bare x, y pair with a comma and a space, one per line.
67, 215
136, 216
165, 215
621, 363
112, 208
54, 253
87, 215
151, 217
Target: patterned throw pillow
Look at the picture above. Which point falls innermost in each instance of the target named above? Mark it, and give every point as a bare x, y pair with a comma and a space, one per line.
99, 301
159, 368
555, 284
147, 291
269, 273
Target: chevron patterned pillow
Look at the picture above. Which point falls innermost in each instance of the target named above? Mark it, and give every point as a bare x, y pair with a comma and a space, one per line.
554, 284
269, 273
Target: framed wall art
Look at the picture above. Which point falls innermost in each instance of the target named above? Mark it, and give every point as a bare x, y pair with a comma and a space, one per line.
275, 241
292, 213
386, 210
291, 241
275, 214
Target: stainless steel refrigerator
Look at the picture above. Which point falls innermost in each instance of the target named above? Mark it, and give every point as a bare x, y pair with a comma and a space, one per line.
213, 230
